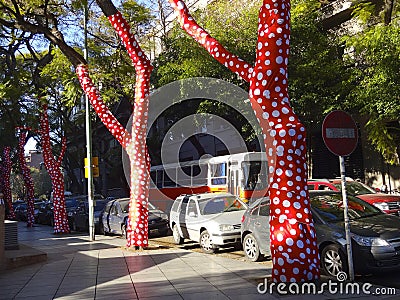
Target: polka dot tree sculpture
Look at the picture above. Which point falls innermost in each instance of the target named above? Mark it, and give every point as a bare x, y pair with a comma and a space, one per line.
292, 234
26, 174
6, 183
53, 167
133, 143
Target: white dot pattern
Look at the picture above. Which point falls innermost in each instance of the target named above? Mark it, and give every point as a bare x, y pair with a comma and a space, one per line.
134, 142
6, 184
26, 175
293, 241
53, 167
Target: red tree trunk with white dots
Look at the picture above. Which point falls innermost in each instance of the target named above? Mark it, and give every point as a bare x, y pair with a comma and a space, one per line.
134, 142
53, 167
6, 183
293, 240
26, 174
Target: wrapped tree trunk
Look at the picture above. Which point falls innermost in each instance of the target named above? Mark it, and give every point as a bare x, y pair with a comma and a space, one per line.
53, 167
26, 174
134, 143
6, 183
293, 240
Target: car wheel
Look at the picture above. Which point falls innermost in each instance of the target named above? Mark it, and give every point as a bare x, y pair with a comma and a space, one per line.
206, 243
175, 234
251, 248
333, 260
124, 232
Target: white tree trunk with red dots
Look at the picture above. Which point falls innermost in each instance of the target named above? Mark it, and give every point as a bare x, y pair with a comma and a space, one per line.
53, 167
293, 240
6, 183
135, 142
26, 174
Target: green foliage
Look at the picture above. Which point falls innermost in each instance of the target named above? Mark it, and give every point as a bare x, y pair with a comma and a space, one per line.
316, 70
232, 24
375, 76
364, 11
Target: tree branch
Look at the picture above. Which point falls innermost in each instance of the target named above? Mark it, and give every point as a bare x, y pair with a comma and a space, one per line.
216, 50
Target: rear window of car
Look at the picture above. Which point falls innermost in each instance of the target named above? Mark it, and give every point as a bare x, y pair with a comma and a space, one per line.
175, 205
264, 209
108, 206
125, 206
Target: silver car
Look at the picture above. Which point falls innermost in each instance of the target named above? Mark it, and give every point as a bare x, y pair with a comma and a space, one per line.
212, 219
115, 218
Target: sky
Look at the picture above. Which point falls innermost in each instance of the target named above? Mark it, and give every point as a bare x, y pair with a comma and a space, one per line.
30, 145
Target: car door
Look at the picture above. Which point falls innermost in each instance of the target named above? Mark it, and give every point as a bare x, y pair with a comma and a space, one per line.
182, 217
261, 227
192, 220
115, 226
106, 216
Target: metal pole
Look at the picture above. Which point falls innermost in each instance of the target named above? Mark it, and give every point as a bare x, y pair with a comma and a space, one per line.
88, 137
346, 219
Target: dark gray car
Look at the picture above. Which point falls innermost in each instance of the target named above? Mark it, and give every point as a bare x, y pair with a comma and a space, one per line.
375, 235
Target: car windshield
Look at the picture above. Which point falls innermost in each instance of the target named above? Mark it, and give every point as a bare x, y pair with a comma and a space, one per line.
330, 207
356, 188
219, 205
100, 205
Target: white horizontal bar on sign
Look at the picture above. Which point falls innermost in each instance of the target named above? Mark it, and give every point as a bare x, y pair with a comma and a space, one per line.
340, 133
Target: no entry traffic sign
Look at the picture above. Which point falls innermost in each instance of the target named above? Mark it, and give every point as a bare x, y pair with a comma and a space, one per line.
339, 132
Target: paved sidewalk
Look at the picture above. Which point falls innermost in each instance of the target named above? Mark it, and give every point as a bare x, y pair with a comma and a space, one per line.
79, 269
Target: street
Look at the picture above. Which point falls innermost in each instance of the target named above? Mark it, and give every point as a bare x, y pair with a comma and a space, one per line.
387, 279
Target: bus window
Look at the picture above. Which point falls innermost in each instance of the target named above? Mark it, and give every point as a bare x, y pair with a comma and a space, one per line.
159, 178
218, 174
184, 176
254, 174
153, 181
168, 181
199, 175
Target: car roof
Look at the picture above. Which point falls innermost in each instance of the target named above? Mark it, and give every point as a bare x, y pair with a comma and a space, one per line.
207, 195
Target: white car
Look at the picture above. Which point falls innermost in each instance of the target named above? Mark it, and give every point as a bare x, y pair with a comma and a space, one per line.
212, 219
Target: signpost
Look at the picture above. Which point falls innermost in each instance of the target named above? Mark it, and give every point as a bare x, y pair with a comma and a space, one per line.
340, 135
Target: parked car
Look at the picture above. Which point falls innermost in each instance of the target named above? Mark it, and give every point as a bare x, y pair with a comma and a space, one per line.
115, 218
375, 235
80, 215
45, 213
211, 219
21, 211
37, 206
389, 204
17, 202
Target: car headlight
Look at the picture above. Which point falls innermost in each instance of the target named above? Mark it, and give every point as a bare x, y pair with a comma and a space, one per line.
381, 205
370, 241
226, 227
